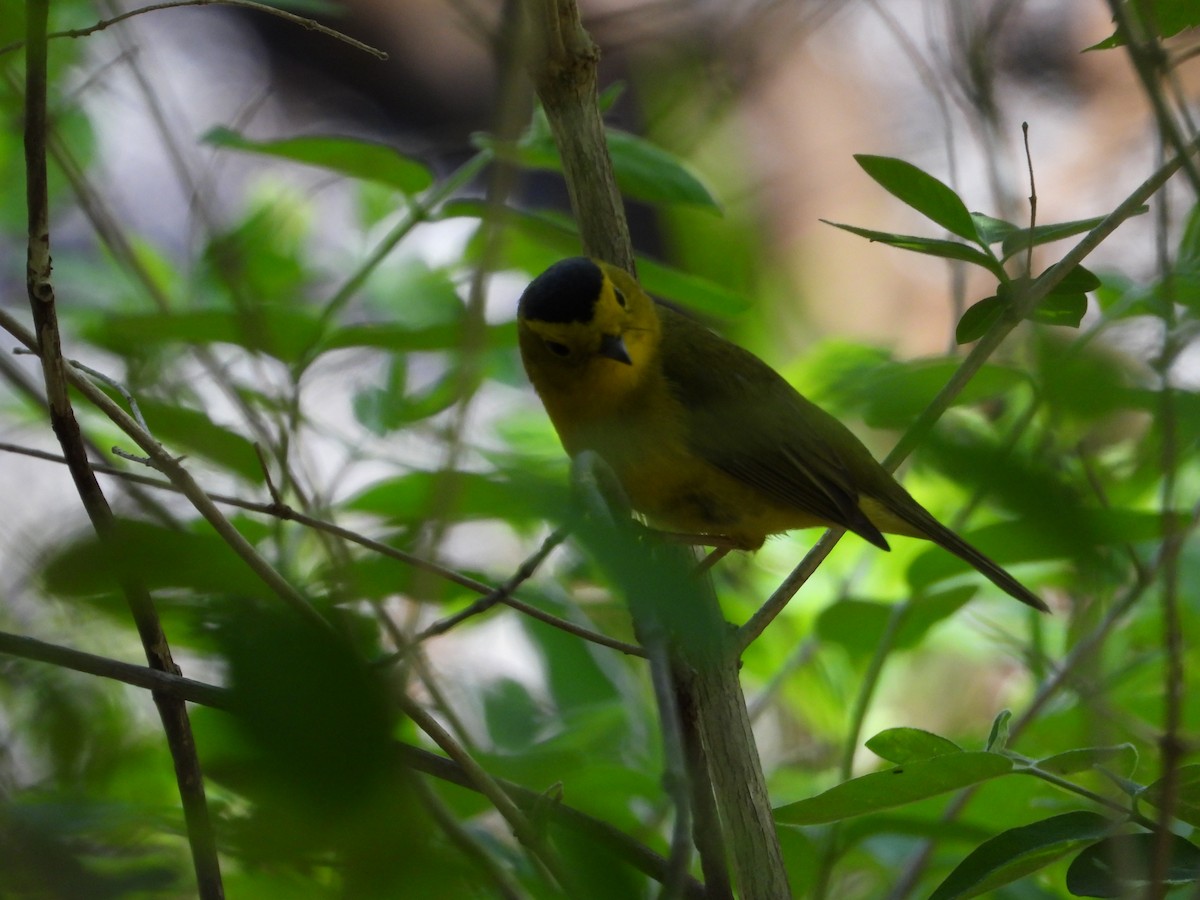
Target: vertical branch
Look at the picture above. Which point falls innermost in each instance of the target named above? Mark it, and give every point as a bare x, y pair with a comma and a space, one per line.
564, 73
1172, 748
704, 656
40, 288
706, 660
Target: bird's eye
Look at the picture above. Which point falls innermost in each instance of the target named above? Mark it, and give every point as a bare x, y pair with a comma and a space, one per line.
620, 296
558, 349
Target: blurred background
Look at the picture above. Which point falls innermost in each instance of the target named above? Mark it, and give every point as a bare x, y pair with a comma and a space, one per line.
157, 223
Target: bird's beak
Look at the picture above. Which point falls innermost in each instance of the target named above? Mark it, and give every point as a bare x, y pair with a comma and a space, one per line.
613, 346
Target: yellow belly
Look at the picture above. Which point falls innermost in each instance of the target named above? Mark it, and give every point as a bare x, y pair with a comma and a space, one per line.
644, 440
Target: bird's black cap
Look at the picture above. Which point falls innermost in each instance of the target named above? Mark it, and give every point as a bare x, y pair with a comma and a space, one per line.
565, 292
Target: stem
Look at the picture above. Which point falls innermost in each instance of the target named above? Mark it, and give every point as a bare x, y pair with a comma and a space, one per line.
48, 345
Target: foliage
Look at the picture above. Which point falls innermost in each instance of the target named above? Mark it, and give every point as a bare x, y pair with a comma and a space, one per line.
361, 417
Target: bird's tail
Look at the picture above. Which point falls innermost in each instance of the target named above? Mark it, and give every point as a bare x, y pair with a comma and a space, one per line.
935, 531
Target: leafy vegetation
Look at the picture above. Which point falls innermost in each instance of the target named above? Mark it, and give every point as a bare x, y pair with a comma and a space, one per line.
410, 661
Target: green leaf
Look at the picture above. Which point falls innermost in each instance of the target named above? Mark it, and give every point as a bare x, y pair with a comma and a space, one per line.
1061, 309
1009, 543
905, 745
1166, 18
1122, 758
385, 409
1121, 865
1018, 240
891, 394
281, 332
697, 294
928, 246
922, 192
197, 434
164, 558
859, 625
998, 736
403, 339
991, 230
351, 157
649, 173
511, 496
978, 319
895, 787
1078, 281
1019, 851
644, 171
536, 241
1187, 794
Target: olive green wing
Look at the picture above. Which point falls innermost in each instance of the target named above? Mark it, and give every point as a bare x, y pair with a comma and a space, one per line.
746, 420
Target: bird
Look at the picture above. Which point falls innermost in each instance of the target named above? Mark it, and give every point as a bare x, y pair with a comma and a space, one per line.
703, 436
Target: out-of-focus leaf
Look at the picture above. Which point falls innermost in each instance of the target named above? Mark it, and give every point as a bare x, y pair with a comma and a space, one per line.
164, 558
262, 260
928, 246
920, 190
1087, 383
315, 756
351, 157
890, 394
402, 339
513, 497
1121, 866
1122, 759
535, 242
416, 295
384, 409
1009, 543
905, 745
859, 625
643, 170
895, 787
649, 173
697, 294
195, 433
1019, 851
280, 332
52, 847
1186, 798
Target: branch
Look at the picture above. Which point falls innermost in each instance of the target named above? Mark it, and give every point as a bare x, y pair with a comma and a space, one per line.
310, 24
57, 375
564, 72
180, 478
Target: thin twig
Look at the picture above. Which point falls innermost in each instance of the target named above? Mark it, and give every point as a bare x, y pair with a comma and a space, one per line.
183, 481
675, 773
502, 881
285, 512
304, 22
516, 819
1148, 57
524, 572
1032, 201
58, 375
599, 832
